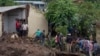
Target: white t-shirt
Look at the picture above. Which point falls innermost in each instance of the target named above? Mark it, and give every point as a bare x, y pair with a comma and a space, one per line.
25, 26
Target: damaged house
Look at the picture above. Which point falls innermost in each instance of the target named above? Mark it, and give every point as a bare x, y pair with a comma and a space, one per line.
35, 18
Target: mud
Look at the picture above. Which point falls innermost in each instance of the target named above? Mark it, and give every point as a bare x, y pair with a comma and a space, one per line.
22, 47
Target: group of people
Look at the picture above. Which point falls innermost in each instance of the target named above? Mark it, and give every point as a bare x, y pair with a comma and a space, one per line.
40, 36
21, 27
82, 44
74, 44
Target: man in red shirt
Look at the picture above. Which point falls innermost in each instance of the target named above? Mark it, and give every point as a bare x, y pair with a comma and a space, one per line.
18, 25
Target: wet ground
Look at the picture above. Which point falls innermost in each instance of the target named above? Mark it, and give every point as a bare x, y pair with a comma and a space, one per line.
26, 47
21, 47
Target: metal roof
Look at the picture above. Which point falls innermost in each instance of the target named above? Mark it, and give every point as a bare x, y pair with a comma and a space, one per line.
7, 8
34, 2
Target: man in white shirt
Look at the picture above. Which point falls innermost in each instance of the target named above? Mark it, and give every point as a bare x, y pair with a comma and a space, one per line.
25, 29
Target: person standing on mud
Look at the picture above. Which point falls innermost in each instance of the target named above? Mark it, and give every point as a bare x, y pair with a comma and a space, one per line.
18, 25
88, 47
38, 35
96, 48
42, 37
58, 41
21, 29
69, 40
25, 28
62, 42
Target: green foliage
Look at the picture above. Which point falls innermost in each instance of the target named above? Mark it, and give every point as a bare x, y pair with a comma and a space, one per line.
66, 13
51, 43
88, 14
62, 29
60, 11
6, 2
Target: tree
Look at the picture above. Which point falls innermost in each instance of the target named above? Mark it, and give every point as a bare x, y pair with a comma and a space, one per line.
61, 12
65, 13
88, 14
6, 2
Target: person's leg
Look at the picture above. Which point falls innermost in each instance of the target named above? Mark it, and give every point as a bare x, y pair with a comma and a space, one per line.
71, 48
36, 38
17, 31
21, 33
42, 41
24, 33
90, 53
86, 52
68, 47
60, 46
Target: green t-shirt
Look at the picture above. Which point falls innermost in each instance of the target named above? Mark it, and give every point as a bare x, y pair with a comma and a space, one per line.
38, 33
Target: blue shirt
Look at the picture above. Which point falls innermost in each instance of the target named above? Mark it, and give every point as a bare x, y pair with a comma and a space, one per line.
81, 43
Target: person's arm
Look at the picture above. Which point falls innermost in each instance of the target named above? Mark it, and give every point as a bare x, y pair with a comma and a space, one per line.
34, 34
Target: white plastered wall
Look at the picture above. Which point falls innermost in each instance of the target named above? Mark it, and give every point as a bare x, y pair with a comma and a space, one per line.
36, 20
0, 24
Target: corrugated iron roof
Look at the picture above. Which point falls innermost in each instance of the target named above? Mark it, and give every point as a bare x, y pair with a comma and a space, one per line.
7, 8
34, 2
